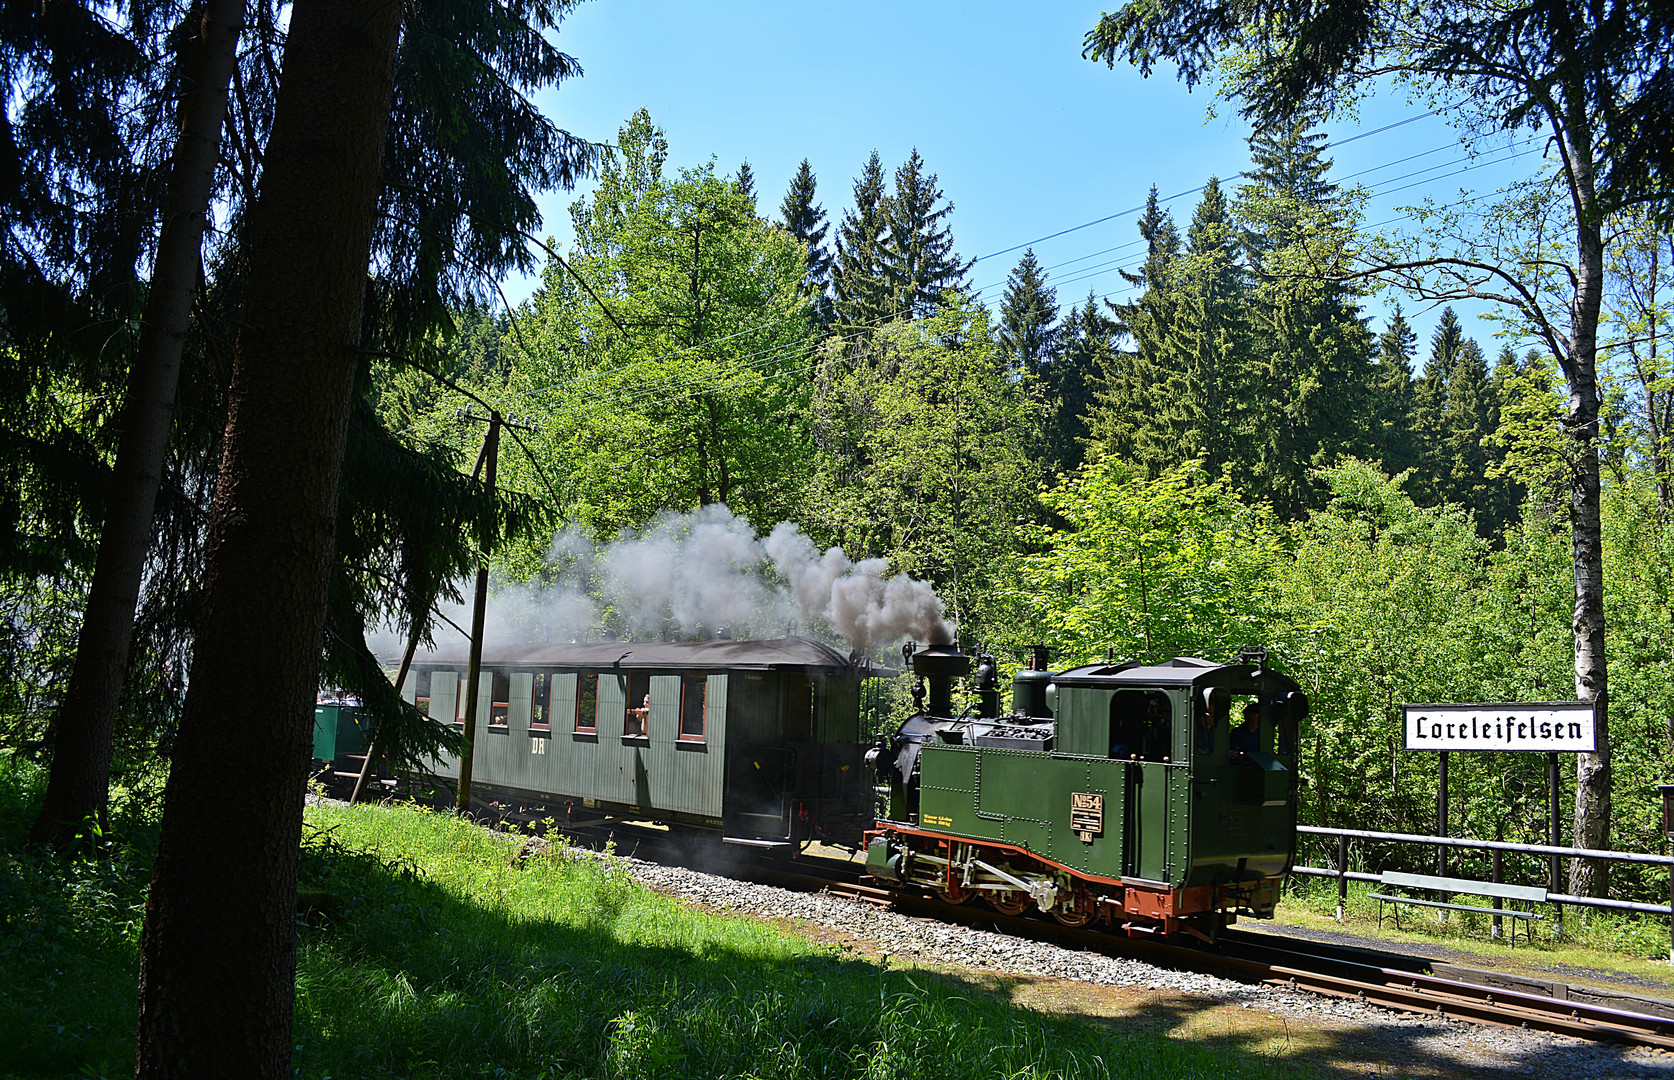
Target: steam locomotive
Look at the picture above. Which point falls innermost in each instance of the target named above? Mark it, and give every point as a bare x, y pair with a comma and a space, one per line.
1157, 798
1117, 792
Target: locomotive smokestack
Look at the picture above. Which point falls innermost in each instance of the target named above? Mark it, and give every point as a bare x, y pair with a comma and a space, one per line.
939, 665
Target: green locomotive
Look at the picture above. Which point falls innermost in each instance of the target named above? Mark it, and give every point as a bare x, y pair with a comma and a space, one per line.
1159, 798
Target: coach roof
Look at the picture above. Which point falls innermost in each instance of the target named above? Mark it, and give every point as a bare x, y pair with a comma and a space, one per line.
779, 653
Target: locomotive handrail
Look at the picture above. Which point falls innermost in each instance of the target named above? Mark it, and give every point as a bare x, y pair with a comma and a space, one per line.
1490, 845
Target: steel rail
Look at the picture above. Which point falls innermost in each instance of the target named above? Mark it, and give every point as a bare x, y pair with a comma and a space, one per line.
1285, 963
1293, 964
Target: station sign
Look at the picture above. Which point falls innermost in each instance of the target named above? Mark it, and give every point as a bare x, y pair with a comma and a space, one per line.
1543, 726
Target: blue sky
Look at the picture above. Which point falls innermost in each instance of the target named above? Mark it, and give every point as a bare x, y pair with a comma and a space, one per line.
1028, 139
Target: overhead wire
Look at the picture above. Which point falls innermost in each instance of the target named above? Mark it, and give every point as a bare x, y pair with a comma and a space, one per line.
766, 357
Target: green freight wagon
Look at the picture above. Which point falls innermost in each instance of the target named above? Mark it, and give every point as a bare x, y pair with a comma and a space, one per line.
340, 729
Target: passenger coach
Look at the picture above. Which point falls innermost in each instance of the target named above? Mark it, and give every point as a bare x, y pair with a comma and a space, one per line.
758, 741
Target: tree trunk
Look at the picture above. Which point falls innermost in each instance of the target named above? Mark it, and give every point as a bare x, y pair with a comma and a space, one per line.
79, 784
1593, 773
218, 955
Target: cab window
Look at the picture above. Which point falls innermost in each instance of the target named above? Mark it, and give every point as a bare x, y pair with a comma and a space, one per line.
1141, 725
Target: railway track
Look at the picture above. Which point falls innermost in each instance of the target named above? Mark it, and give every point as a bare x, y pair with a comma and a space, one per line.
1384, 979
1389, 980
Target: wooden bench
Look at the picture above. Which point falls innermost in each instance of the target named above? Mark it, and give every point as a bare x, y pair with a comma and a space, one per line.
1393, 880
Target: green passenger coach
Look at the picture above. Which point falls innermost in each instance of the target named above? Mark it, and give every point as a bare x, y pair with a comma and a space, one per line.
1159, 798
758, 741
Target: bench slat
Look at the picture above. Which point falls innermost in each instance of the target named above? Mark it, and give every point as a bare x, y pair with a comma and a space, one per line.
1510, 913
1529, 893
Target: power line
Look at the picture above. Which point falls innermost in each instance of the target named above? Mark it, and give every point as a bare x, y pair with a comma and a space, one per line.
1193, 191
766, 357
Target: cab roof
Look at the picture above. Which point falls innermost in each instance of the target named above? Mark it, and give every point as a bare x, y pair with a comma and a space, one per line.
1180, 671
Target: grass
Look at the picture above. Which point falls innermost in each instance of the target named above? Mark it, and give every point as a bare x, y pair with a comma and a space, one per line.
1615, 942
431, 948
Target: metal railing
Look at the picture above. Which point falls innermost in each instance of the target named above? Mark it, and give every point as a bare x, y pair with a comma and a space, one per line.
1498, 847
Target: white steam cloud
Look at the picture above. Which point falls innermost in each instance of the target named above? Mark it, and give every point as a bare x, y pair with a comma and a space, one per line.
696, 575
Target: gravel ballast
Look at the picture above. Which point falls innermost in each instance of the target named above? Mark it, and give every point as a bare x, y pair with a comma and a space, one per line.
1384, 1042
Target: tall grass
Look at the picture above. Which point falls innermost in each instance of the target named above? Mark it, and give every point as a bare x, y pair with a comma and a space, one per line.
430, 948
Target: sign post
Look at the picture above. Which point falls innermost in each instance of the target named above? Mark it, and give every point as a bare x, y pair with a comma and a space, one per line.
1549, 727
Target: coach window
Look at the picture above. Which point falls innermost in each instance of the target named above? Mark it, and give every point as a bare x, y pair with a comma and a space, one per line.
587, 702
422, 689
461, 698
499, 712
693, 692
638, 719
540, 705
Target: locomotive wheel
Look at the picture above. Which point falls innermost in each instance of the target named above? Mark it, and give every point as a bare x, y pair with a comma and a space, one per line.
1008, 903
953, 893
1083, 913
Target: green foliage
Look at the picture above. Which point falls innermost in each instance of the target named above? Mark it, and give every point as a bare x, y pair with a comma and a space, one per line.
859, 284
804, 219
925, 428
1376, 612
1312, 345
675, 382
1149, 568
1068, 381
1027, 313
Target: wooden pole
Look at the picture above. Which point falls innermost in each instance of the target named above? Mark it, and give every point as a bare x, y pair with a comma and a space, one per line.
1554, 869
479, 606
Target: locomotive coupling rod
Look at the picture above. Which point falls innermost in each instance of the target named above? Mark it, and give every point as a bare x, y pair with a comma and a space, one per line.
1045, 893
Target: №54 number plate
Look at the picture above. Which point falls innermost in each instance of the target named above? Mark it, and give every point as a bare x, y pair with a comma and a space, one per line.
1086, 814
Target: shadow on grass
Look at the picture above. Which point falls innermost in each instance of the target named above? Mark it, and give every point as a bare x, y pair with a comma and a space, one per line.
1240, 1027
411, 979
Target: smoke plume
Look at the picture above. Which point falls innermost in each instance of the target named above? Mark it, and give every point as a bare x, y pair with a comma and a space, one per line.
700, 574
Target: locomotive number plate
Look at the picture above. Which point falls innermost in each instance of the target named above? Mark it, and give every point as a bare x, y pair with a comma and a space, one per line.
1086, 814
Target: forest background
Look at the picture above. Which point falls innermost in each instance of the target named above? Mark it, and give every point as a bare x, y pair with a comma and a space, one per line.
1235, 453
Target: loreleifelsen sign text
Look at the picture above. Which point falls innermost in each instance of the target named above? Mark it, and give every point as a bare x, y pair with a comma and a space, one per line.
1546, 726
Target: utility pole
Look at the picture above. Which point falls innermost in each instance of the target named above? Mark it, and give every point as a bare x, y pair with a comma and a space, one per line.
479, 604
488, 459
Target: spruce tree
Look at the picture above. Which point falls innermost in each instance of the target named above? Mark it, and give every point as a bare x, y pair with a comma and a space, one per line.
745, 181
860, 288
1393, 395
804, 219
1082, 350
1314, 346
1126, 421
1431, 455
1471, 416
1027, 314
919, 261
1207, 353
